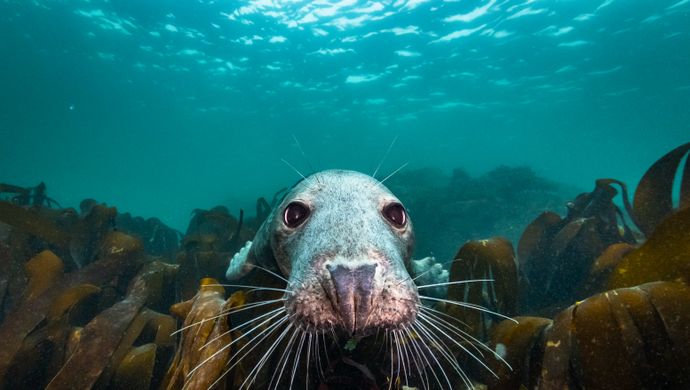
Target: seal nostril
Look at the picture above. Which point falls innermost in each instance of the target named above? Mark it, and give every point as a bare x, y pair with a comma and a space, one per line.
354, 290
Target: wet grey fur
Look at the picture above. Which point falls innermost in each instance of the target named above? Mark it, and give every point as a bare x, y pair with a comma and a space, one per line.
347, 232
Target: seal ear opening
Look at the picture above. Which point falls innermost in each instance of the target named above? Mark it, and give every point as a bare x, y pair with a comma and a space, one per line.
241, 263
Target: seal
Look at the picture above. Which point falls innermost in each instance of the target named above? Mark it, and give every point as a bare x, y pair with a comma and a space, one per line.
344, 243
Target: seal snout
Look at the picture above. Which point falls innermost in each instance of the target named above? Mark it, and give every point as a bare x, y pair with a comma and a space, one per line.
354, 289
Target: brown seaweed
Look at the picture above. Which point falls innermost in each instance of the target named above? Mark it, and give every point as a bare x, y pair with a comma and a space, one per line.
653, 200
29, 313
493, 260
43, 270
626, 338
556, 254
194, 366
136, 369
519, 344
34, 223
104, 336
29, 196
664, 256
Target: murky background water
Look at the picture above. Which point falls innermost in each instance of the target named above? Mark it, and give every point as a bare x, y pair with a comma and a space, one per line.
163, 107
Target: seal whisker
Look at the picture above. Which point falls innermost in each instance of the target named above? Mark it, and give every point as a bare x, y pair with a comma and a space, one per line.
398, 371
458, 332
295, 169
385, 155
431, 309
317, 354
422, 355
285, 356
275, 312
295, 361
299, 146
390, 381
472, 340
223, 313
469, 306
255, 288
433, 356
393, 173
467, 351
228, 346
325, 348
270, 272
263, 336
455, 282
446, 353
404, 345
426, 272
255, 371
306, 379
401, 357
415, 355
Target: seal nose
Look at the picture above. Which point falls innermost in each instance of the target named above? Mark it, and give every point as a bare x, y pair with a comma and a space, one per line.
354, 290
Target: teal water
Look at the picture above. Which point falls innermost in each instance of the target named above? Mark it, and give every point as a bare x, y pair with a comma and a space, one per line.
161, 107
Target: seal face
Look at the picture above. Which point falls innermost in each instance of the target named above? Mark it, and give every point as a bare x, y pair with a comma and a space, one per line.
343, 242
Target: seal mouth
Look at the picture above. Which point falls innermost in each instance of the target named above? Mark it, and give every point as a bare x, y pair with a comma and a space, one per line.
353, 297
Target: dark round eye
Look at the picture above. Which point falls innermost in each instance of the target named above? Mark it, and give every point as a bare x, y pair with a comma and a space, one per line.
395, 214
295, 214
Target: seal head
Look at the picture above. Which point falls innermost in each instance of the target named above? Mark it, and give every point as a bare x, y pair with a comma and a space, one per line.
344, 242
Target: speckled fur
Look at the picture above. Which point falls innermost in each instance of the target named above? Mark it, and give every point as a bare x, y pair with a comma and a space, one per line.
345, 228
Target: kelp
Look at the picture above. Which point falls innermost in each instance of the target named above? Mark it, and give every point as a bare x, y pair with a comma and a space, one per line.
200, 358
136, 369
107, 338
32, 222
29, 313
63, 232
88, 231
212, 237
158, 238
653, 200
562, 258
43, 270
556, 254
43, 351
448, 210
28, 196
494, 261
627, 338
101, 326
664, 256
520, 344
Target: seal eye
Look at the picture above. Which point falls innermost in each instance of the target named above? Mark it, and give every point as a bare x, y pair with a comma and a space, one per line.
395, 214
295, 214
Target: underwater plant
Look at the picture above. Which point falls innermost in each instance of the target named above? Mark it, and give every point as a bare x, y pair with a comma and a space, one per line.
634, 332
96, 319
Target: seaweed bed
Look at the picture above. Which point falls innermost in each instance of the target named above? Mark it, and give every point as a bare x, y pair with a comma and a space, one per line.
98, 299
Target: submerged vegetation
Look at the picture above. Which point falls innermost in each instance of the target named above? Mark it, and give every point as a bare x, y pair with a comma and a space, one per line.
597, 298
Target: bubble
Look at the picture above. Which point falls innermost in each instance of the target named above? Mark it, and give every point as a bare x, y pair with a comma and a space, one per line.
501, 350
